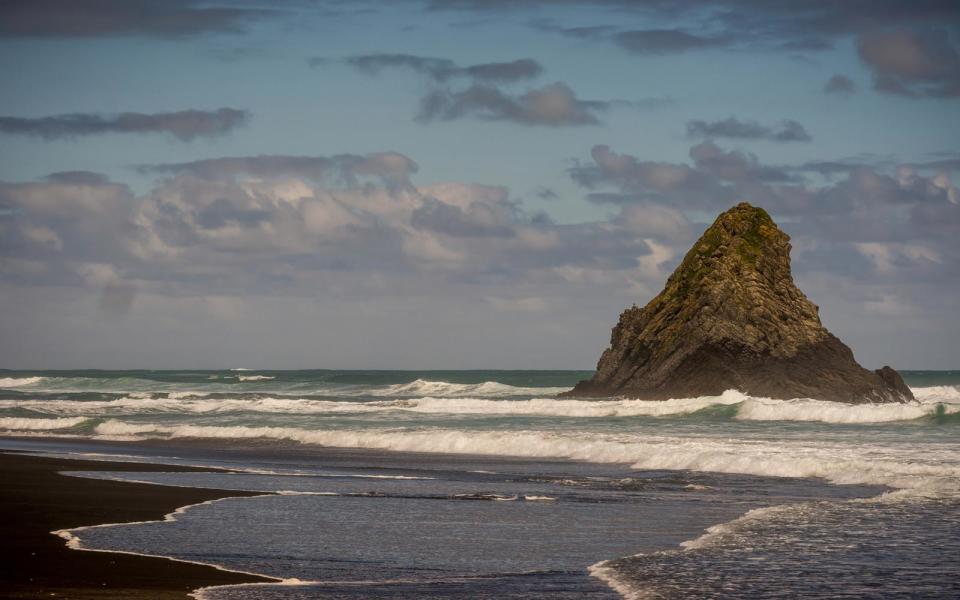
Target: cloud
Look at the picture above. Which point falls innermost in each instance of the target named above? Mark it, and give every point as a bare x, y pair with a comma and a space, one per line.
78, 177
585, 32
522, 304
867, 205
392, 168
873, 242
734, 165
912, 63
840, 84
334, 240
641, 180
244, 225
477, 219
664, 41
95, 18
443, 69
731, 127
648, 42
687, 25
546, 193
185, 125
552, 105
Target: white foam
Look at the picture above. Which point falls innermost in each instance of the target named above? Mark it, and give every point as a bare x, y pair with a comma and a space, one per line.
254, 377
914, 467
197, 402
182, 395
445, 389
747, 408
605, 572
718, 531
765, 409
26, 424
614, 581
937, 393
572, 408
11, 382
193, 403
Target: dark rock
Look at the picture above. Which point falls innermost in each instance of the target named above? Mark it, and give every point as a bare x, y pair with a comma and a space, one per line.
893, 379
731, 317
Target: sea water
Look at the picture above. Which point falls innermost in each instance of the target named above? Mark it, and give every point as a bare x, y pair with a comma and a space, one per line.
483, 484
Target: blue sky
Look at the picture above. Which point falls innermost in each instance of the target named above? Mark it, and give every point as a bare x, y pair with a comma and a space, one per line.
504, 225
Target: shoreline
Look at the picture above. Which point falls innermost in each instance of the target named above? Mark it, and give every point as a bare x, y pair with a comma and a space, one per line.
181, 578
38, 505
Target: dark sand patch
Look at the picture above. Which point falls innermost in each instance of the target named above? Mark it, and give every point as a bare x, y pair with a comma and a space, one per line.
36, 499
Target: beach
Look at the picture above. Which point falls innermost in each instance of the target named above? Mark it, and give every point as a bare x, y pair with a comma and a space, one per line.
453, 485
35, 500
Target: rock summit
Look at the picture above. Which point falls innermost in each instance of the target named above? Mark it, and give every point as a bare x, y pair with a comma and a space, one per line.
731, 317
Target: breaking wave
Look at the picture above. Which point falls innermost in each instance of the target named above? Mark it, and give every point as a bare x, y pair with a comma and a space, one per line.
26, 424
14, 382
446, 389
837, 462
765, 409
734, 405
203, 384
937, 393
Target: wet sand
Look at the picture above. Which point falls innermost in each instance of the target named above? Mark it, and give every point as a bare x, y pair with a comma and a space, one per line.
36, 499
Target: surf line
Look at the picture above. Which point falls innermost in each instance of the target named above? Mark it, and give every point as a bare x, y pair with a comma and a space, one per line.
73, 541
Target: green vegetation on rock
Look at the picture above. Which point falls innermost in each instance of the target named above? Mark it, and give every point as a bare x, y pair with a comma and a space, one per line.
730, 316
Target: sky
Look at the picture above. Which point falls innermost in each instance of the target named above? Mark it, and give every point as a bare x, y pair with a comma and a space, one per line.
455, 184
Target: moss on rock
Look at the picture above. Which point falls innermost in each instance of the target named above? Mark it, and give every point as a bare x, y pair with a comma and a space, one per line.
730, 316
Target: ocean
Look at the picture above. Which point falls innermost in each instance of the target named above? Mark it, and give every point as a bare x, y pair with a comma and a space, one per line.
481, 484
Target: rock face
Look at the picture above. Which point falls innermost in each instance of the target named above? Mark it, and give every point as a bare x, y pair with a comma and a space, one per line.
730, 317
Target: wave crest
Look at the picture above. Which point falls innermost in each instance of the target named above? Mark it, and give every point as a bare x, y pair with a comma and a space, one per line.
11, 382
734, 404
765, 409
446, 389
27, 424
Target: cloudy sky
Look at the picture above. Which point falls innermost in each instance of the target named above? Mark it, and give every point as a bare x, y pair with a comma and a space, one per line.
460, 183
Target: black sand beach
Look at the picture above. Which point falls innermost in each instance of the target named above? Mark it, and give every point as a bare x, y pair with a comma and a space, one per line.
35, 500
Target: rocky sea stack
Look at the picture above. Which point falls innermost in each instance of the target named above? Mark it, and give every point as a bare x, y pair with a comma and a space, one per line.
731, 317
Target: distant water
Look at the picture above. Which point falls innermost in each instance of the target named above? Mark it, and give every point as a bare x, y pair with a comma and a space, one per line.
852, 501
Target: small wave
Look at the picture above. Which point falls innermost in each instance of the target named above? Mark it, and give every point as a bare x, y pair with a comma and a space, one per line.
182, 395
446, 389
85, 384
192, 403
608, 575
254, 377
199, 403
730, 404
937, 393
718, 531
607, 571
765, 409
573, 408
27, 424
11, 382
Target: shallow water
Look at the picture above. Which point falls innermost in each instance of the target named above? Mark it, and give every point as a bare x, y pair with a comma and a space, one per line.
369, 524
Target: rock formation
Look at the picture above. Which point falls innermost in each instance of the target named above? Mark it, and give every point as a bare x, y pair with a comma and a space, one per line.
731, 317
